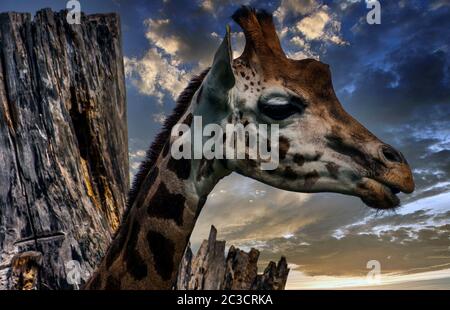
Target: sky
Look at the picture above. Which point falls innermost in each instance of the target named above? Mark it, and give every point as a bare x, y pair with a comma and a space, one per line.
393, 77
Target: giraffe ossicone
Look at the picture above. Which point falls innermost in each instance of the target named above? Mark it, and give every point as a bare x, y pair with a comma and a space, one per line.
321, 148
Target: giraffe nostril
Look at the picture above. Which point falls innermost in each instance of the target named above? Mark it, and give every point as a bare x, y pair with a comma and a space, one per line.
392, 155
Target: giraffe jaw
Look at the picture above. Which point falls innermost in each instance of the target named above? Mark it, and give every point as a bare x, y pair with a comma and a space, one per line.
378, 195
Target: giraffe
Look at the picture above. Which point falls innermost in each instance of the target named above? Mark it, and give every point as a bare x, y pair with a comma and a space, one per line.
321, 149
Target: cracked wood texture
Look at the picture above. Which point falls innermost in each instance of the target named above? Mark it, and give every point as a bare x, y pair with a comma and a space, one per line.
63, 146
210, 270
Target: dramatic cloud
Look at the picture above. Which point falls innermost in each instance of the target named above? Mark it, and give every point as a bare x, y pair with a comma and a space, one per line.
159, 118
437, 4
243, 209
306, 28
294, 8
320, 26
155, 75
135, 156
157, 34
173, 48
217, 7
403, 243
174, 42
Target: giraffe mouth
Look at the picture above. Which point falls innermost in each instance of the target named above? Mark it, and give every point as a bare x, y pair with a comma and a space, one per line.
378, 195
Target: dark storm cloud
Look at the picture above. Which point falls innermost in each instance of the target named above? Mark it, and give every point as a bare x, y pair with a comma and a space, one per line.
398, 65
414, 80
398, 60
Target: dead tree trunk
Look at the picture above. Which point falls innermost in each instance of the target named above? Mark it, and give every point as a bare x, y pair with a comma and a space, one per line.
210, 270
63, 146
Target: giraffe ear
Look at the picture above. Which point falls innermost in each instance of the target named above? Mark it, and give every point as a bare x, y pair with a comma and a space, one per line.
221, 78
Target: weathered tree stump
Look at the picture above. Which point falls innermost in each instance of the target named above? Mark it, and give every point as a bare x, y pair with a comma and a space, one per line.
209, 270
63, 146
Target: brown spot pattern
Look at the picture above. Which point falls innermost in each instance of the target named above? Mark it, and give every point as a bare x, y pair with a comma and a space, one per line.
289, 174
311, 179
283, 147
162, 250
333, 170
299, 159
166, 205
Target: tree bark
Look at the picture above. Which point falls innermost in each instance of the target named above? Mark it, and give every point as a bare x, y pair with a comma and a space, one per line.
210, 270
63, 146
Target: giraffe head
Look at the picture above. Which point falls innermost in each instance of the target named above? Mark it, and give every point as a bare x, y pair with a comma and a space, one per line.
321, 147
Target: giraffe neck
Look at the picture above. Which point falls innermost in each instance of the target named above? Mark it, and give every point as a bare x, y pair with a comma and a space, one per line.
151, 241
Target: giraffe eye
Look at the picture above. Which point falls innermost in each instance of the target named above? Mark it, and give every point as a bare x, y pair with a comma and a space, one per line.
280, 108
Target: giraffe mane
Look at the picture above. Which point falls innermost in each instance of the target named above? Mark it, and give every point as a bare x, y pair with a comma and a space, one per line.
182, 103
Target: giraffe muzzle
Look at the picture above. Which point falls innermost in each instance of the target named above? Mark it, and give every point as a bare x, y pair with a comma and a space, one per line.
392, 178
